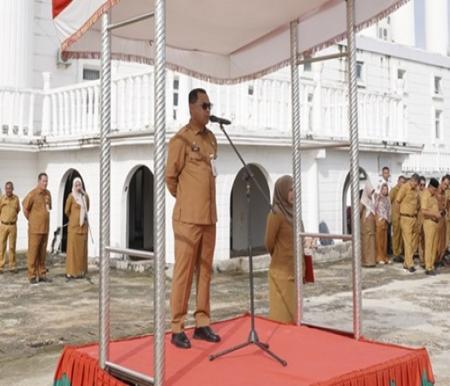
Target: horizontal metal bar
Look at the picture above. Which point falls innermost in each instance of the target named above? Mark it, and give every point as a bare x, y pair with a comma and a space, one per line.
326, 236
129, 375
332, 329
131, 252
324, 146
322, 58
131, 21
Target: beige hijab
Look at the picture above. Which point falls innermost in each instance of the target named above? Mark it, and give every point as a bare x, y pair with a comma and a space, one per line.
367, 199
80, 199
281, 204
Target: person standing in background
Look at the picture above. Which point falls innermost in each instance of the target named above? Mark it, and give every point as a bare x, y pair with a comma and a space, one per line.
397, 240
9, 209
368, 227
383, 218
36, 208
76, 210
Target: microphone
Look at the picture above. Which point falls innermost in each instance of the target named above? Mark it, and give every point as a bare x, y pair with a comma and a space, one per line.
220, 121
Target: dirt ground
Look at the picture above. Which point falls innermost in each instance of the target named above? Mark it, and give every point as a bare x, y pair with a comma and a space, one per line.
37, 321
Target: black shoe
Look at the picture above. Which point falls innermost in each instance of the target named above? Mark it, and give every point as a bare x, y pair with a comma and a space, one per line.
206, 333
180, 340
411, 269
431, 272
45, 279
398, 259
34, 281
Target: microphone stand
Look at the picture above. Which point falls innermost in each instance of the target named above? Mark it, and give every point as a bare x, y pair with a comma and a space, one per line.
253, 335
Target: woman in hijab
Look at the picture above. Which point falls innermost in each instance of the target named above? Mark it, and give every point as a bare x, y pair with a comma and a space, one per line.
279, 242
383, 218
76, 209
368, 249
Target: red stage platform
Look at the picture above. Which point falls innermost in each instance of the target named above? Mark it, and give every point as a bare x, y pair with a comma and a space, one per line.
314, 356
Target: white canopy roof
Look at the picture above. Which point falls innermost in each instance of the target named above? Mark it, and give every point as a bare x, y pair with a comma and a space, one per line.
219, 40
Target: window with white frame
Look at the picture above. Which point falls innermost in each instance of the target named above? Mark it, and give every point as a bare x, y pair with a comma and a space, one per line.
438, 125
91, 73
401, 79
360, 71
176, 89
437, 85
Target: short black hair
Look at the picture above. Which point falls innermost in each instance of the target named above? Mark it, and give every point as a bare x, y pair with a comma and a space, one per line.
446, 177
9, 183
415, 177
193, 95
422, 178
385, 168
434, 183
42, 175
402, 177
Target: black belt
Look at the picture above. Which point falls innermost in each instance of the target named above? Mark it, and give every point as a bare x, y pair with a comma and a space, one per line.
8, 223
408, 215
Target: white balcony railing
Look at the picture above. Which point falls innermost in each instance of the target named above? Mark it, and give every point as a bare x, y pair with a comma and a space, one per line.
431, 163
261, 106
18, 112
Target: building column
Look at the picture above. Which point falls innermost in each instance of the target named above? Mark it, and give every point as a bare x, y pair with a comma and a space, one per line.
403, 25
436, 26
16, 43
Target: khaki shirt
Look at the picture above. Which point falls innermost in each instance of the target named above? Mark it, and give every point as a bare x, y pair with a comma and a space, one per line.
9, 207
447, 195
430, 202
73, 210
392, 195
38, 203
408, 199
189, 175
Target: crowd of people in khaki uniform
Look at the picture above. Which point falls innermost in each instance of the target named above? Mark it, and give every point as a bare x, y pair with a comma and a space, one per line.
419, 215
37, 205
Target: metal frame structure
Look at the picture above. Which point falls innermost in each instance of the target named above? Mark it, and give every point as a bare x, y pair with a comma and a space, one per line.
159, 184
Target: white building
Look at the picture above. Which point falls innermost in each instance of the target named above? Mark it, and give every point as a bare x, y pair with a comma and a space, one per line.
49, 122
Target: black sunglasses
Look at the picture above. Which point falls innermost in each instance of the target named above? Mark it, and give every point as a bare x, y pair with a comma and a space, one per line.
206, 106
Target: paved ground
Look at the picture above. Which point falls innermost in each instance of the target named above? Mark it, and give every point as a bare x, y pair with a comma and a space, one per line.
37, 321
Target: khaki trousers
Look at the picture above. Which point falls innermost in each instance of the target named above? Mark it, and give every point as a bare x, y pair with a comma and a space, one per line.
442, 239
408, 227
194, 251
430, 229
8, 233
37, 252
397, 240
381, 239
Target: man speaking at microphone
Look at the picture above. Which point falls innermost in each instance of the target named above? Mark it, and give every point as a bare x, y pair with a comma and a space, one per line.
191, 179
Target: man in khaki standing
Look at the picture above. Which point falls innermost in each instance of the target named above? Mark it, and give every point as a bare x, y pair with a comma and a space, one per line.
397, 242
36, 208
408, 201
431, 216
9, 208
191, 179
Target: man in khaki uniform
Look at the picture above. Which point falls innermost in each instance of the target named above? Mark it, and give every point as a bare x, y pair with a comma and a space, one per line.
36, 207
420, 233
442, 225
397, 242
431, 214
190, 177
9, 208
408, 200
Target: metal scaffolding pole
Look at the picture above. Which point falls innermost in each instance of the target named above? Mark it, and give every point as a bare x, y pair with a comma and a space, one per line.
354, 167
159, 192
105, 187
296, 163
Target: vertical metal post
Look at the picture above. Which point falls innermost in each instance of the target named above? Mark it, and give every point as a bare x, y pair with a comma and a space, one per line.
354, 167
105, 188
159, 191
296, 162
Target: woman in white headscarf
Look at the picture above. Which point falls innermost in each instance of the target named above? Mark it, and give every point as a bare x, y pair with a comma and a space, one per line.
76, 209
368, 227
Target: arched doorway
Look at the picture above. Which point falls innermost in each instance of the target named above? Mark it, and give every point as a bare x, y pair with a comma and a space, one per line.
71, 175
238, 213
140, 210
347, 201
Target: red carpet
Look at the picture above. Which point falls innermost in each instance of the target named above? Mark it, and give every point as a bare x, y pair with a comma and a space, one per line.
314, 356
